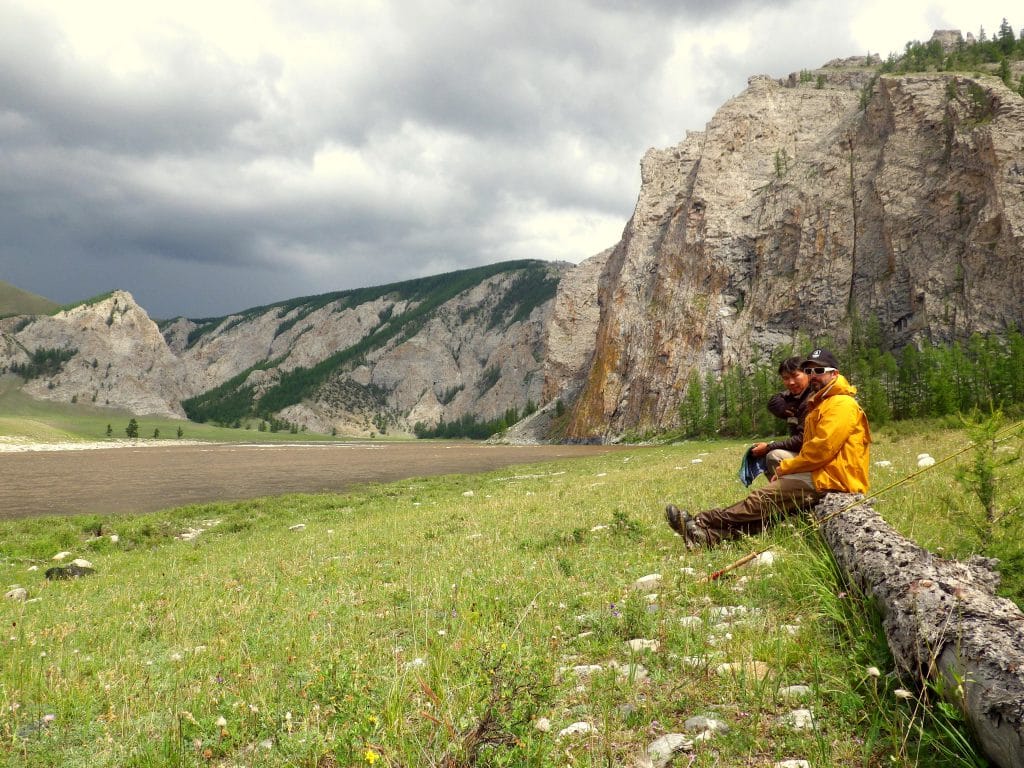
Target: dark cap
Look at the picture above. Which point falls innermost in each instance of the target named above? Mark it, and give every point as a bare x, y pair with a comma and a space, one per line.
821, 357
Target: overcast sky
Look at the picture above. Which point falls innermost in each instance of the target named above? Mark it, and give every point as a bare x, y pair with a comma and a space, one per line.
212, 156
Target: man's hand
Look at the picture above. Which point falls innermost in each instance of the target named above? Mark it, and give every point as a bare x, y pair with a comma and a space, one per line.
759, 449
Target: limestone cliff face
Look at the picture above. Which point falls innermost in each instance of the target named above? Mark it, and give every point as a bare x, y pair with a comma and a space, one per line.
478, 352
121, 361
896, 198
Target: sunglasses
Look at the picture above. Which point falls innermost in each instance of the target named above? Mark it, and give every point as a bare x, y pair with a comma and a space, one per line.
818, 370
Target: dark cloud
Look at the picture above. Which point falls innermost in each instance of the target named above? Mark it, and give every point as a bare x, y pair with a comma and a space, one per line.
341, 144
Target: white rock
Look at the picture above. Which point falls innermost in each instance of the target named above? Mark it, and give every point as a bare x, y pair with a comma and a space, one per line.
297, 527
640, 644
696, 461
648, 582
728, 611
688, 571
18, 593
883, 463
925, 461
800, 720
635, 672
468, 493
62, 555
663, 749
794, 691
114, 538
699, 723
543, 725
576, 729
81, 562
597, 528
765, 558
33, 568
691, 621
793, 764
586, 670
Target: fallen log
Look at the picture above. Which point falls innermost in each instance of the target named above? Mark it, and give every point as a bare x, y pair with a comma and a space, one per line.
942, 620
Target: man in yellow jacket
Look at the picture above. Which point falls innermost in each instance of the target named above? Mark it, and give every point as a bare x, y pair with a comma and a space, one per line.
834, 457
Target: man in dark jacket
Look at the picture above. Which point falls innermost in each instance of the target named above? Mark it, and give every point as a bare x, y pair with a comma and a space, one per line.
790, 406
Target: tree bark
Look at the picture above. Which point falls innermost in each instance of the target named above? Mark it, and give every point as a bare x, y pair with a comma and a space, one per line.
942, 621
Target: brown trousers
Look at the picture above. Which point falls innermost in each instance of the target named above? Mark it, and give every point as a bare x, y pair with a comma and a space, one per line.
761, 509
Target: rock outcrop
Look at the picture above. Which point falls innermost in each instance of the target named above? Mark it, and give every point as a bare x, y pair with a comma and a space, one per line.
394, 358
805, 202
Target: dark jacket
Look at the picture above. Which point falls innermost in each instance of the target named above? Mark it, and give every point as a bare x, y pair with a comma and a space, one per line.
791, 409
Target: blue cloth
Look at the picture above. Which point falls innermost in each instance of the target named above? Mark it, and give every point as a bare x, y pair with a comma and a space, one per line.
751, 466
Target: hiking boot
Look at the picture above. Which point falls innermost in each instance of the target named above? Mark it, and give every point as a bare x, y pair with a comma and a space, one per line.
676, 519
696, 535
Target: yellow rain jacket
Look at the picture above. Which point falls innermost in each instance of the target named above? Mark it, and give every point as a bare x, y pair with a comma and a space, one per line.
836, 438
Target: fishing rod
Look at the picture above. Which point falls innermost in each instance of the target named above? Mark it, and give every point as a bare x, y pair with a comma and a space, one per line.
1000, 435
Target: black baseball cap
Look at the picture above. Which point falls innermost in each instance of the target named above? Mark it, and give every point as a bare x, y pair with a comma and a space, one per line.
821, 357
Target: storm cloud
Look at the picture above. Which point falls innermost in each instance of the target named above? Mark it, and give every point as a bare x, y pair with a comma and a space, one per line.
210, 157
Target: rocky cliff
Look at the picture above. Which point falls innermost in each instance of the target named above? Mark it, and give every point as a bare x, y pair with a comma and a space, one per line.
806, 202
469, 343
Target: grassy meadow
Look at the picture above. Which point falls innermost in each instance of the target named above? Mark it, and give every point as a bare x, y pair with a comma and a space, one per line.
23, 417
469, 620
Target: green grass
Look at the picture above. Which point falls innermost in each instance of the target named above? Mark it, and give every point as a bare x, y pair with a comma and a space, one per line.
45, 421
435, 621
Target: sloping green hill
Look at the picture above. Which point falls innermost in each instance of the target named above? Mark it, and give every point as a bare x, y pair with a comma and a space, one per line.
14, 301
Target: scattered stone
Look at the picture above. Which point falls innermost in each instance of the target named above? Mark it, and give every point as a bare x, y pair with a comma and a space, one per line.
114, 538
33, 568
542, 724
756, 669
576, 729
651, 598
800, 720
793, 764
765, 559
468, 493
635, 672
688, 571
297, 527
597, 528
67, 572
662, 750
81, 562
62, 556
648, 583
700, 723
726, 612
883, 463
691, 621
586, 670
18, 593
924, 460
795, 691
639, 644
696, 461
703, 736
